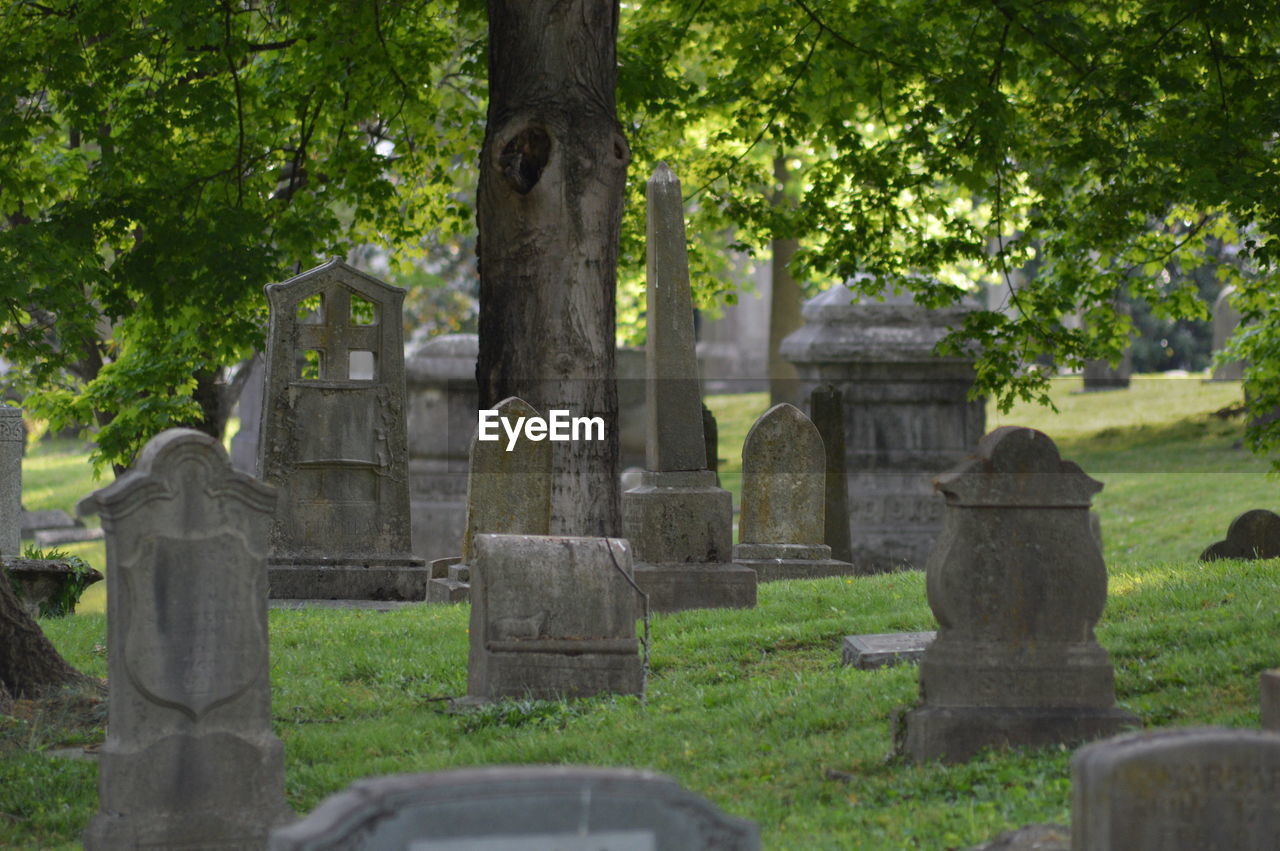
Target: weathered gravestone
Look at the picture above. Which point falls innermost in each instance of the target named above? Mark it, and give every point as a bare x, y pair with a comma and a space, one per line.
679, 522
1269, 699
884, 649
13, 436
826, 409
244, 445
333, 440
190, 760
518, 808
551, 618
1178, 790
443, 399
49, 518
1101, 375
508, 493
1016, 583
1253, 535
1226, 318
907, 415
784, 478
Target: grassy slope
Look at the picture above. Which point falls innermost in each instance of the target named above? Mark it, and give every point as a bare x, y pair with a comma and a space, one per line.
751, 708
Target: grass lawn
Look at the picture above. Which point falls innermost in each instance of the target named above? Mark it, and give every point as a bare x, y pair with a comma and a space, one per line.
751, 708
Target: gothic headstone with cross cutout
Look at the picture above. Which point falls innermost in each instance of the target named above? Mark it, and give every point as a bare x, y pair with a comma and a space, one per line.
552, 617
334, 440
1016, 582
190, 759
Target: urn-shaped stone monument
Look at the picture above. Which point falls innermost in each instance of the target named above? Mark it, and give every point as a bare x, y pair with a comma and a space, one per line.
1016, 582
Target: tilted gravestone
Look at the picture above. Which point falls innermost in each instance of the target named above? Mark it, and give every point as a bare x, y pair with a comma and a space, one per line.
518, 808
13, 436
1016, 583
443, 399
826, 409
1226, 318
907, 415
333, 440
1208, 789
508, 493
678, 520
551, 618
1253, 535
782, 521
190, 760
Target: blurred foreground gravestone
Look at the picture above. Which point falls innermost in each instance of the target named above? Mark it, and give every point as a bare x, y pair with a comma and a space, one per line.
1017, 583
518, 808
190, 758
334, 441
1211, 789
552, 618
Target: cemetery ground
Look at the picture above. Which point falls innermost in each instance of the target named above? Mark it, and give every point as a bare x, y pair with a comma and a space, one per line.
751, 708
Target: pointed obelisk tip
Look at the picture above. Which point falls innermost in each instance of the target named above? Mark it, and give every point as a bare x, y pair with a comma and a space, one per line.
662, 173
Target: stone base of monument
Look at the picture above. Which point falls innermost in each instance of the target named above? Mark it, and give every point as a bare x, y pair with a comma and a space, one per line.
555, 672
450, 581
791, 561
677, 587
958, 733
402, 578
214, 790
1269, 713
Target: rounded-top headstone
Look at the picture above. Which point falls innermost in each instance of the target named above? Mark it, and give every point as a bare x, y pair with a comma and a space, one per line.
783, 479
1226, 318
1253, 535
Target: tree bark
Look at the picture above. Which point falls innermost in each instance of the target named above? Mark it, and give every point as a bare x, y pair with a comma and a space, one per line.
549, 211
30, 666
784, 305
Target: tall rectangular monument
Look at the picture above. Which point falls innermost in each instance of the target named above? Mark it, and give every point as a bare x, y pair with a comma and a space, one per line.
678, 520
334, 440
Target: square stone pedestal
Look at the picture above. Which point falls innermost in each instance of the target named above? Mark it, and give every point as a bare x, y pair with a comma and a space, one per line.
791, 561
957, 733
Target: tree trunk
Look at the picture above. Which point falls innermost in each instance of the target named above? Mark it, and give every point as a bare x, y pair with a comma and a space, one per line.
784, 306
30, 666
549, 210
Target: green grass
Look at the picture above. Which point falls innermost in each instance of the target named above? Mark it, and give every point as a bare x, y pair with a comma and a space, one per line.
751, 708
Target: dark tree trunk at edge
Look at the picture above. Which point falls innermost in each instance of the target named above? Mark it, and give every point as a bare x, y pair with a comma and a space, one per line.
30, 665
552, 176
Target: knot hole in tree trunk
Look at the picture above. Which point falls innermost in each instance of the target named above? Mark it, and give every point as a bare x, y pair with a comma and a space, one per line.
524, 157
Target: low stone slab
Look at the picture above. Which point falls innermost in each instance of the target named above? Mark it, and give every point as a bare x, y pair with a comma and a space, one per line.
1270, 699
71, 535
53, 518
1035, 837
1208, 789
881, 650
518, 808
1253, 535
382, 580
